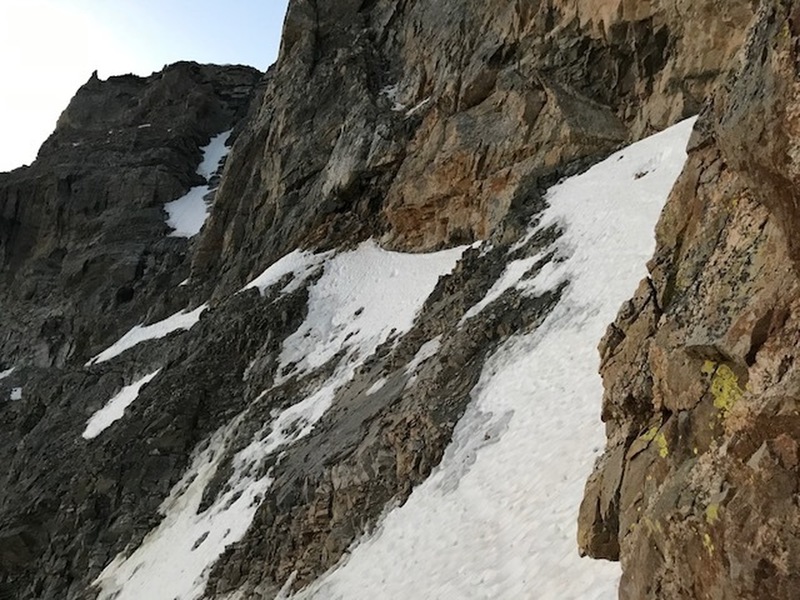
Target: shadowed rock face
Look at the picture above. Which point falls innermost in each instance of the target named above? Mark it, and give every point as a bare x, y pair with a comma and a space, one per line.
697, 491
84, 256
82, 230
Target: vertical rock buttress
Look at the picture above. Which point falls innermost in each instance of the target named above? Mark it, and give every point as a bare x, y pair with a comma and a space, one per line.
697, 493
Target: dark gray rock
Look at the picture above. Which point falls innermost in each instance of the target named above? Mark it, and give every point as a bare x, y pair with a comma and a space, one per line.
84, 256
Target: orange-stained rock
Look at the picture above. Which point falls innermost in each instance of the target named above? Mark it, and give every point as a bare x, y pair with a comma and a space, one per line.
423, 123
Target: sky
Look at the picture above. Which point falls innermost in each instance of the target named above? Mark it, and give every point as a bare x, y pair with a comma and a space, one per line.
49, 48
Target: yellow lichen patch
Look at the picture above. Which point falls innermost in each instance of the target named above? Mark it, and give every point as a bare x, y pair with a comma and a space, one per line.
661, 442
724, 386
708, 544
653, 434
725, 389
650, 435
712, 513
652, 526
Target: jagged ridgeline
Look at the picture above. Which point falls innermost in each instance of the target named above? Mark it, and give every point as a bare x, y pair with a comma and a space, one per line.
329, 331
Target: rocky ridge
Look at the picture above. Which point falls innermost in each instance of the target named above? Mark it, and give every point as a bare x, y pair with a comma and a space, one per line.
83, 250
85, 256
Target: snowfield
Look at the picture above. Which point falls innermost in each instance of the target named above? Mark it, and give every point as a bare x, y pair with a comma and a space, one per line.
187, 214
141, 333
497, 518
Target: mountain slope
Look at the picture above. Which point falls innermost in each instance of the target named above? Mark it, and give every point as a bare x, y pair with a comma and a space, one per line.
383, 333
497, 517
510, 481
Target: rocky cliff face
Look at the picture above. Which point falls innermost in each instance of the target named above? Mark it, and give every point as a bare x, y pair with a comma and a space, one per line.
83, 249
697, 491
432, 120
423, 126
84, 256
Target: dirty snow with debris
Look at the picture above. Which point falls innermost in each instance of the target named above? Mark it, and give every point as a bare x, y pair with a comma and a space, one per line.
141, 333
497, 518
187, 214
173, 559
114, 409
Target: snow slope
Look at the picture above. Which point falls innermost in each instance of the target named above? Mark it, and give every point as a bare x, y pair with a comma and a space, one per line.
114, 409
363, 297
141, 333
213, 153
497, 518
187, 214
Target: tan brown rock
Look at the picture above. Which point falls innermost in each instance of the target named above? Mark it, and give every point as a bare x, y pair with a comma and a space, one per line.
702, 383
430, 119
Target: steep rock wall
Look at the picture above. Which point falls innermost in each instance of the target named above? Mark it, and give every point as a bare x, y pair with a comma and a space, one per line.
697, 491
425, 122
85, 256
82, 230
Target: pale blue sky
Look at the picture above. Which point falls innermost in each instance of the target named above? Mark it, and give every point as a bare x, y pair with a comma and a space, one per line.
48, 48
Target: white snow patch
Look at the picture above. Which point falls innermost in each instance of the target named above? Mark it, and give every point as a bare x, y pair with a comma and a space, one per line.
497, 518
188, 214
174, 559
364, 297
392, 93
140, 333
213, 154
145, 126
16, 394
6, 373
289, 426
426, 351
377, 386
412, 111
300, 264
114, 409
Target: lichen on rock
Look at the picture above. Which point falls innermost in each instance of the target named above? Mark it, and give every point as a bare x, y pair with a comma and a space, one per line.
715, 360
